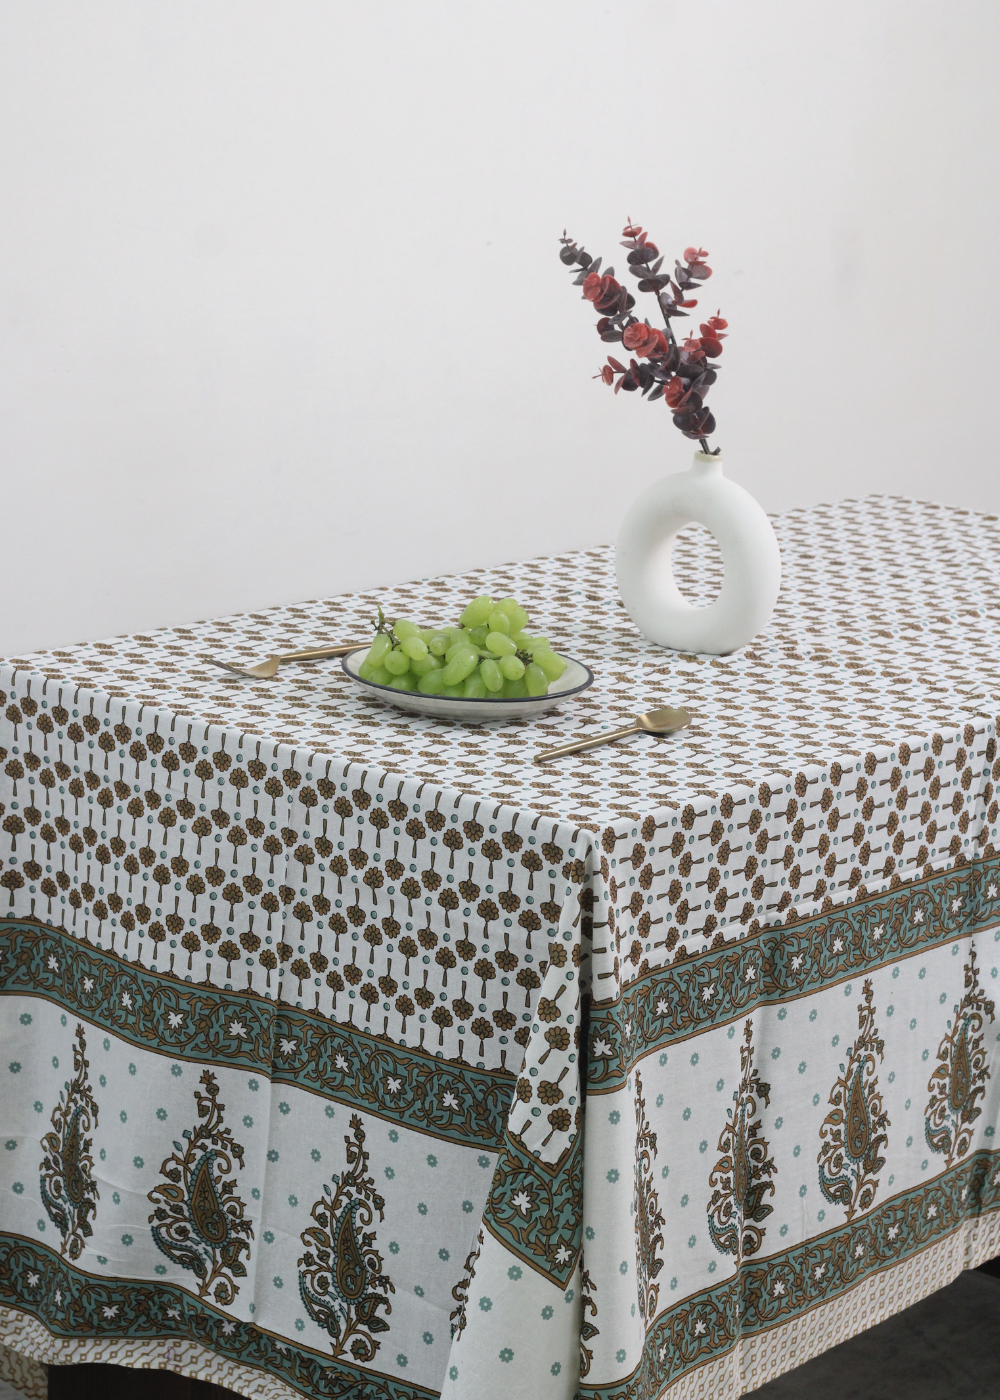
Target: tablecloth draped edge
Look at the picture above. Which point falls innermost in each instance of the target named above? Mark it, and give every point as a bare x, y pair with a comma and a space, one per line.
285, 1370
749, 1362
753, 1360
24, 1373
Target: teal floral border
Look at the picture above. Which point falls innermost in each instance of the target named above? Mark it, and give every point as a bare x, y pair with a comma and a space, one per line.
71, 1303
779, 964
773, 1291
536, 1210
156, 1011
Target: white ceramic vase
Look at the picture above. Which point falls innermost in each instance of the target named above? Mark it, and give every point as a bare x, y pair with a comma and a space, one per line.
751, 559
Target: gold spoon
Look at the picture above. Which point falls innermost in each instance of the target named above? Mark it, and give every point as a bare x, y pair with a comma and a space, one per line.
664, 721
265, 670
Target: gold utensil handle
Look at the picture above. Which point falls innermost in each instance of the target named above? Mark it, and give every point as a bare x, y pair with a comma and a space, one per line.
225, 666
592, 743
319, 653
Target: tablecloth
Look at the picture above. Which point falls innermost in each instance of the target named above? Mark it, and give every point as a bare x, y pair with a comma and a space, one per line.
349, 1053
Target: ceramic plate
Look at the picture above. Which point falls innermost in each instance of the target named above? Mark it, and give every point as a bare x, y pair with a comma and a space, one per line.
575, 678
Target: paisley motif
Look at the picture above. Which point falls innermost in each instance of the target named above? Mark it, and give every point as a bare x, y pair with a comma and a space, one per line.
76, 1181
352, 1275
341, 1283
649, 1220
859, 1128
960, 1081
588, 1327
68, 1190
460, 1292
741, 1170
854, 1131
739, 1181
207, 1215
198, 1220
959, 1078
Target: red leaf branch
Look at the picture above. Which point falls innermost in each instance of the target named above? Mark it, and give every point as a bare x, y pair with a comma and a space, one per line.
679, 373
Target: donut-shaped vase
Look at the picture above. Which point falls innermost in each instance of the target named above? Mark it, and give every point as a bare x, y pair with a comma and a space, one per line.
750, 555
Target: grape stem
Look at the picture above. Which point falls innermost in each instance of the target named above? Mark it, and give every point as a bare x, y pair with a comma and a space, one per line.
382, 626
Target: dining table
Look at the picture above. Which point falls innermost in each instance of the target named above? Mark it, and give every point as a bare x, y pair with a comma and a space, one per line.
351, 1052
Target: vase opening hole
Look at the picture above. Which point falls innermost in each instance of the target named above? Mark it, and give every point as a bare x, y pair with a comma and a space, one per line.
696, 562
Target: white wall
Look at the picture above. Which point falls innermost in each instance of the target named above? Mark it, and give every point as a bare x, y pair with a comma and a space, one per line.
281, 313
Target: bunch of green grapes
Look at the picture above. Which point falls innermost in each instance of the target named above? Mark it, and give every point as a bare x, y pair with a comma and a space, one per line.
487, 656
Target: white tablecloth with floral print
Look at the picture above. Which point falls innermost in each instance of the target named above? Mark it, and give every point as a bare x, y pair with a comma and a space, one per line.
347, 1053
